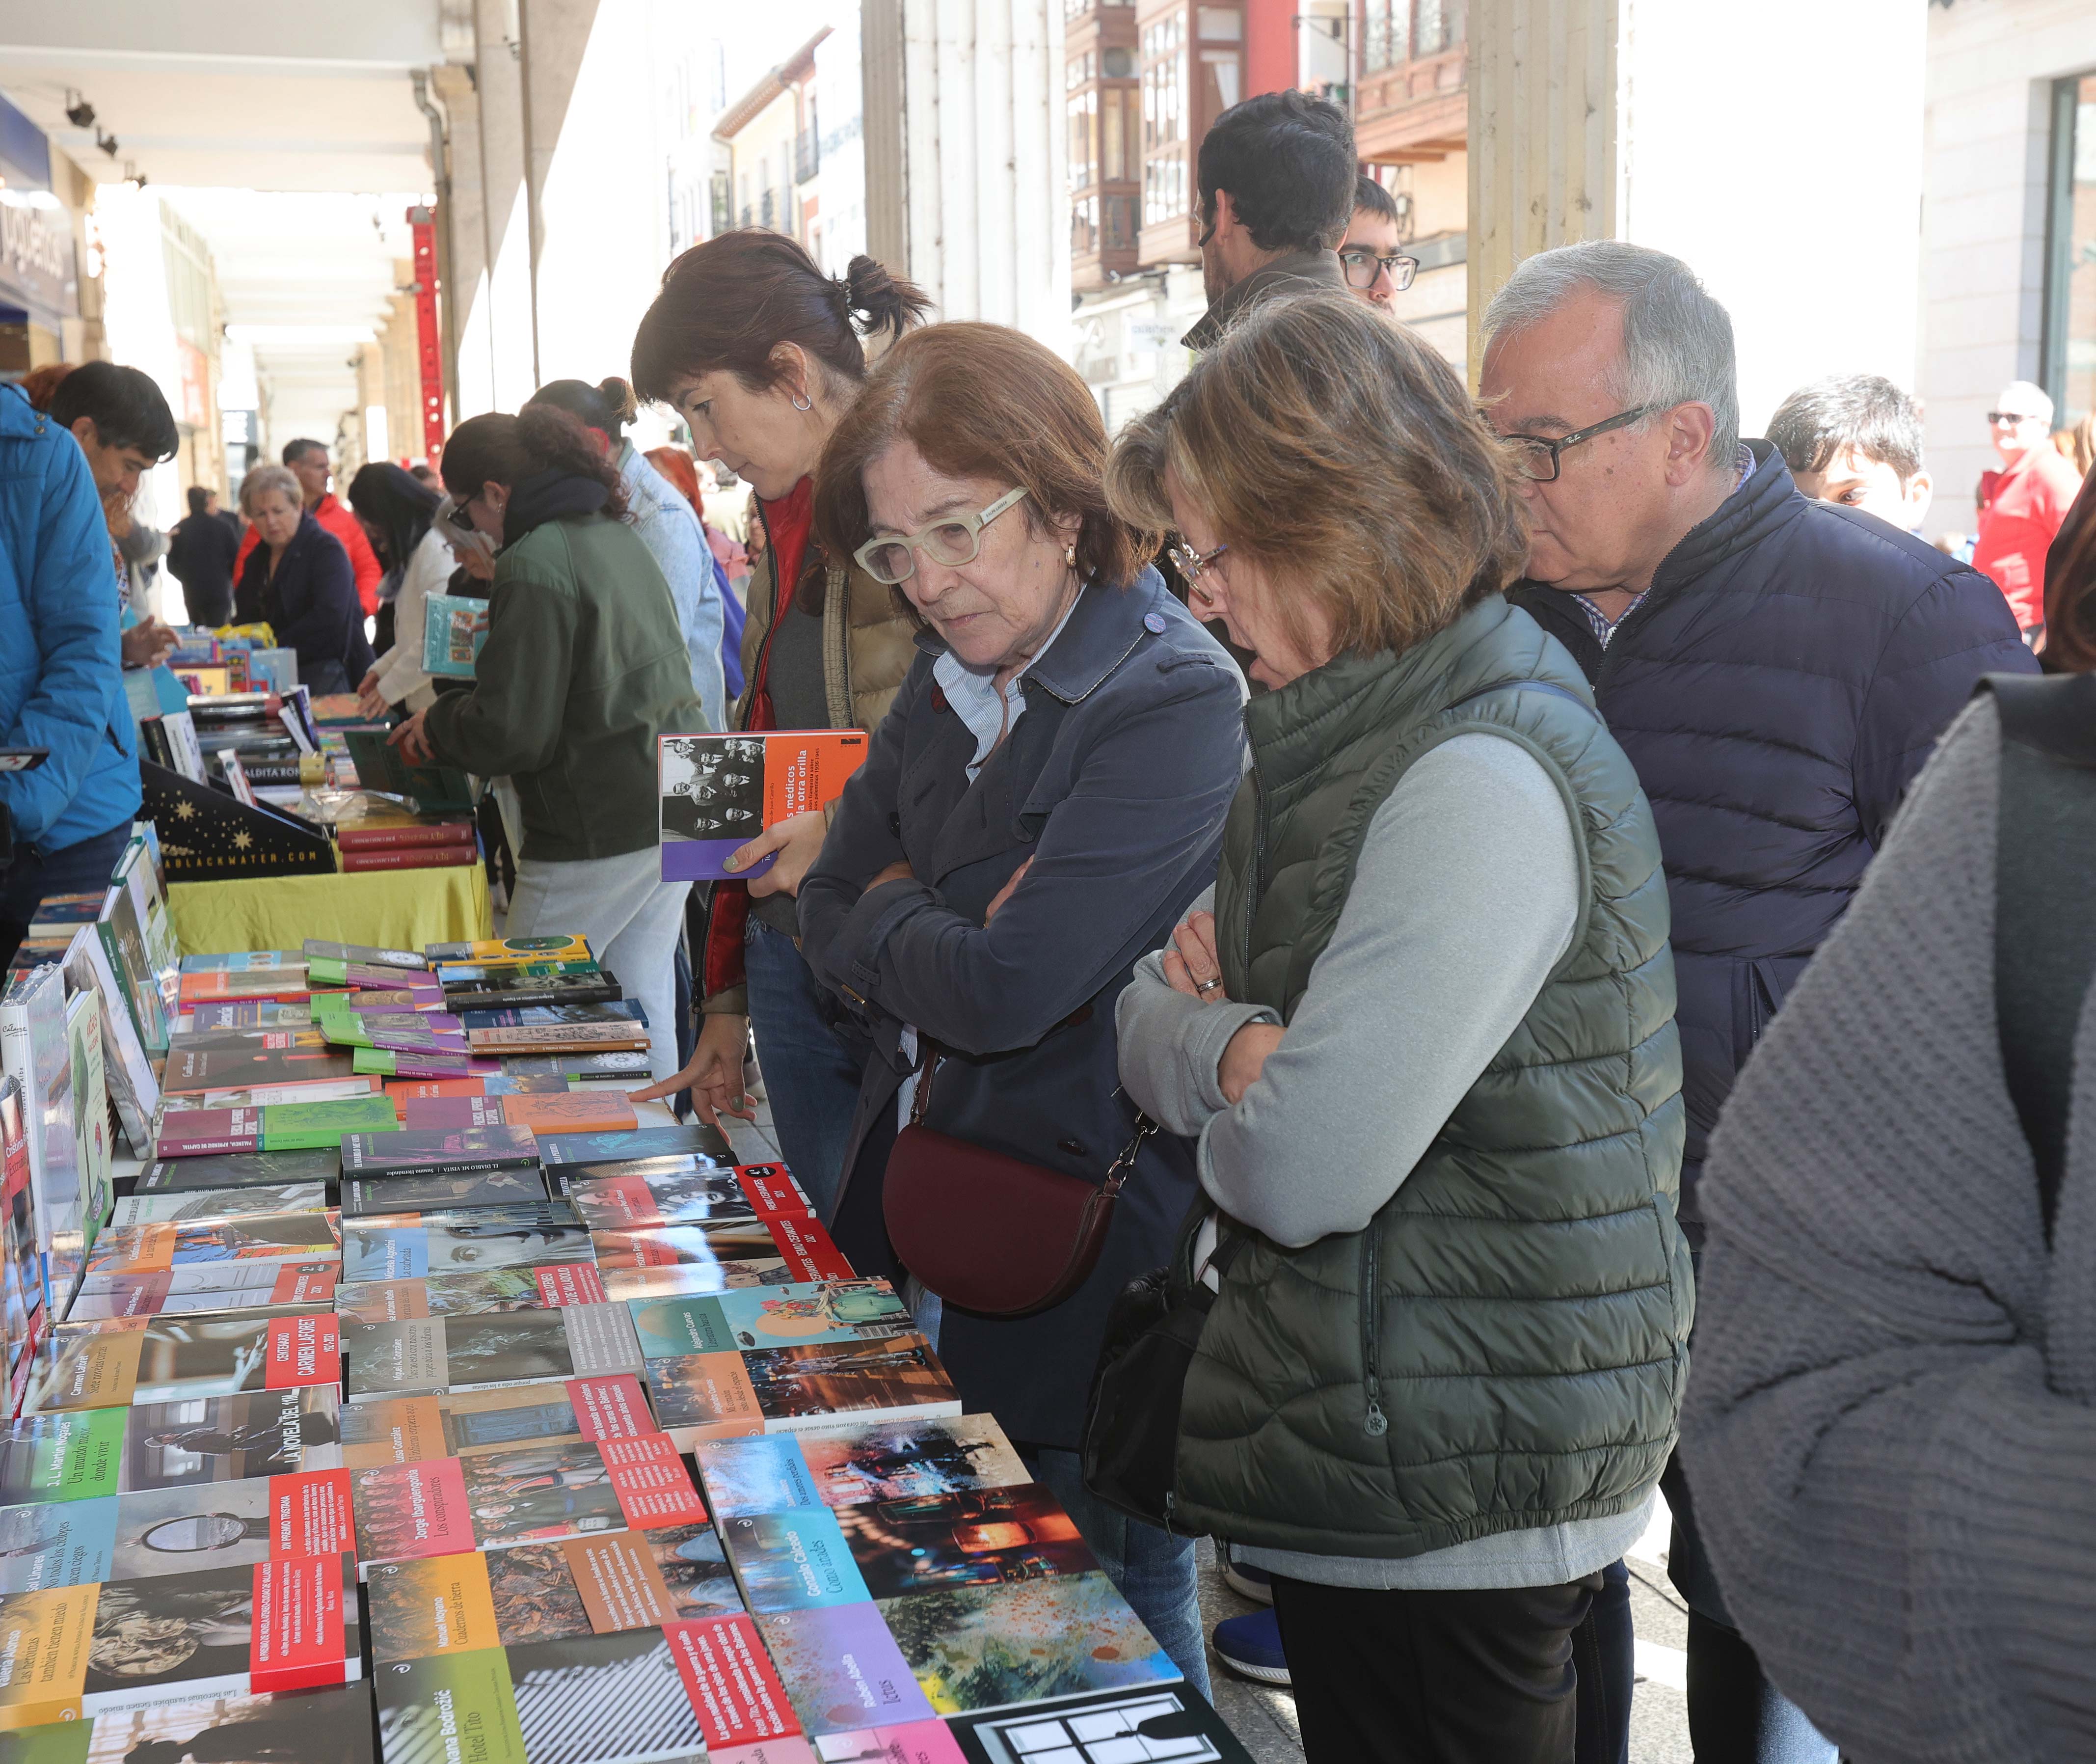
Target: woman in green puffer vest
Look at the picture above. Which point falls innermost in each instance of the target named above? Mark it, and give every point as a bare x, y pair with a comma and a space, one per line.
1423, 1032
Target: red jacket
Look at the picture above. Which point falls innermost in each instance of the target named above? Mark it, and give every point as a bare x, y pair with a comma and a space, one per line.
364, 562
2020, 510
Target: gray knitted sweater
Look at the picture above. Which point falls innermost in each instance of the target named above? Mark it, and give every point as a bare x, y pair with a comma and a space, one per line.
1891, 1427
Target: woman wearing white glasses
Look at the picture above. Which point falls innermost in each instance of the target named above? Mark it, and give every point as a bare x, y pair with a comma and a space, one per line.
1038, 808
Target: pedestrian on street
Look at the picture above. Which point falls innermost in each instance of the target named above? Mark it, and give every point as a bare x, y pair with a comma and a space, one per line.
1276, 175
307, 461
298, 581
2021, 506
1776, 669
200, 553
760, 354
1433, 970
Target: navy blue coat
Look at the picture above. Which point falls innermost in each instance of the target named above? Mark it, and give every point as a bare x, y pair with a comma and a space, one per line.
311, 606
1787, 675
1114, 782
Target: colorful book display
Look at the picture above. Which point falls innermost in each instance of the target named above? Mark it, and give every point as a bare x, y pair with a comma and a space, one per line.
115, 1363
85, 1455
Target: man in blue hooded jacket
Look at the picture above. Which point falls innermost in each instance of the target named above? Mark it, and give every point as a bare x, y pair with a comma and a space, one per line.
1776, 669
61, 672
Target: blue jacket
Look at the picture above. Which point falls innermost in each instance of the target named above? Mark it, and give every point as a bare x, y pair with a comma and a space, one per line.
1785, 677
673, 536
61, 671
1116, 783
310, 604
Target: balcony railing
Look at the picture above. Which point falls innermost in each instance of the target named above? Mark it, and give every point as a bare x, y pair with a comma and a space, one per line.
807, 156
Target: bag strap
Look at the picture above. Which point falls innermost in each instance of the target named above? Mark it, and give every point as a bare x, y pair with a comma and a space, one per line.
1117, 1173
2044, 928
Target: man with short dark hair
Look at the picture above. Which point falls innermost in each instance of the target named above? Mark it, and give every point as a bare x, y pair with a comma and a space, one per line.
200, 554
307, 461
1372, 256
1855, 440
1777, 670
1276, 176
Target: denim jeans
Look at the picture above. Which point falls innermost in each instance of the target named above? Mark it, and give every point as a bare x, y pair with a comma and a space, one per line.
1156, 1572
810, 1075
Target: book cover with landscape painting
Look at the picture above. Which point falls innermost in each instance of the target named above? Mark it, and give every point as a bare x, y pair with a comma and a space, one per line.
847, 1467
465, 1351
784, 1390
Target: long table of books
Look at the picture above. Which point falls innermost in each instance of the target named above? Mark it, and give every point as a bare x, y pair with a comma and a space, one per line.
409, 1396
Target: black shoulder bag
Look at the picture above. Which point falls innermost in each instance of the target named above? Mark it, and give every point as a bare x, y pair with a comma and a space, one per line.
2045, 902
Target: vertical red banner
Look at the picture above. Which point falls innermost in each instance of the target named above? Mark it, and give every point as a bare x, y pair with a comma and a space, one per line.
431, 349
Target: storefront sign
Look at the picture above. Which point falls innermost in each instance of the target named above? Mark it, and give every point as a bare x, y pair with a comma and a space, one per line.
37, 261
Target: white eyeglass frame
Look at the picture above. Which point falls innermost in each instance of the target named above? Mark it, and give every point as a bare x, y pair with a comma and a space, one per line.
914, 543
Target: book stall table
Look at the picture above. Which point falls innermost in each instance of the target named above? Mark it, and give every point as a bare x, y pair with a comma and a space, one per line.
402, 908
418, 1397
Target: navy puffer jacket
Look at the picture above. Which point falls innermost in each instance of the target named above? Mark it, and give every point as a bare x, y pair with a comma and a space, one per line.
1787, 675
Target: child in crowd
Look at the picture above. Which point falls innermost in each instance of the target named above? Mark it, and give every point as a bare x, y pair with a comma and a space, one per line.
1856, 439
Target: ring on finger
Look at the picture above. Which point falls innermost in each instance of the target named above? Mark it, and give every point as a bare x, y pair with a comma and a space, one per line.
1206, 986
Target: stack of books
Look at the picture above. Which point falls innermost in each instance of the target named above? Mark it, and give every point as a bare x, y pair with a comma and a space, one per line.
429, 845
464, 1417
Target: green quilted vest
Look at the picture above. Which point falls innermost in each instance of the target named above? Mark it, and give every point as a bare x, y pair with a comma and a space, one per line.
1504, 1347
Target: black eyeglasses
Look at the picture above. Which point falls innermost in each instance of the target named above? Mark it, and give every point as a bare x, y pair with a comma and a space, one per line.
460, 518
2014, 416
1536, 457
1362, 267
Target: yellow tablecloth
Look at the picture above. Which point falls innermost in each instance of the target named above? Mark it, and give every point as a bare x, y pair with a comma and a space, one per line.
393, 909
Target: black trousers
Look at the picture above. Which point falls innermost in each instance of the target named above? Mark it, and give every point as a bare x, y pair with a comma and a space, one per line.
34, 877
1434, 1678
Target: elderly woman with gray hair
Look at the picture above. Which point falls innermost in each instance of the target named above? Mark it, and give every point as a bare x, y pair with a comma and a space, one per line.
298, 580
1422, 1030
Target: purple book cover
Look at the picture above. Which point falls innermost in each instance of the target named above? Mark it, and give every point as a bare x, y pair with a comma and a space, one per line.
197, 1133
407, 1041
464, 1149
362, 975
391, 999
449, 1114
438, 1063
841, 1669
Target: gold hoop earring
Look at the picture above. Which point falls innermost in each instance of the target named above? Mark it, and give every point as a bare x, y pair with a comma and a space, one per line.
1070, 554
801, 402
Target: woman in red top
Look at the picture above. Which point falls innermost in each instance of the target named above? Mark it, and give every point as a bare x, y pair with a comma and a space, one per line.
760, 354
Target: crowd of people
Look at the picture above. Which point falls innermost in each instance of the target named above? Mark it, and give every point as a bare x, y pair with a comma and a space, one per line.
1493, 891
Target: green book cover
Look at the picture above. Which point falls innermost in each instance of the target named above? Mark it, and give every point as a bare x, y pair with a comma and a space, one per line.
375, 1061
75, 1456
291, 1126
325, 970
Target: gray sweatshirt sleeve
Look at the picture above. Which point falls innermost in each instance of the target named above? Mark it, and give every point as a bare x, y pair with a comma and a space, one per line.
1466, 898
1892, 1417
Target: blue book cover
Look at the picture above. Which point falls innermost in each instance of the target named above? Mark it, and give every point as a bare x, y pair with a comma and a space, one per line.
453, 632
744, 1478
243, 962
795, 1560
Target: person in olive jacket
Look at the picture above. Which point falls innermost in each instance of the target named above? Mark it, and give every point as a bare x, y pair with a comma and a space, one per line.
584, 666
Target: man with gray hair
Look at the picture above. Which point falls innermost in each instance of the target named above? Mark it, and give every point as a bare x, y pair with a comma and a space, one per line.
1776, 669
2022, 506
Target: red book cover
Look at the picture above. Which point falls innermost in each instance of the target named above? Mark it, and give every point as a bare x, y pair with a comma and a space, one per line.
309, 1514
561, 1284
388, 838
807, 1249
772, 1191
610, 1409
653, 1485
412, 1509
299, 1637
302, 1350
728, 1676
410, 858
200, 1133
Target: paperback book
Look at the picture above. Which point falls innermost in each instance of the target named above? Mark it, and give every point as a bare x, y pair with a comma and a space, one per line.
121, 928
21, 1269
192, 1067
241, 961
249, 1286
533, 1016
154, 1248
801, 1243
842, 1672
281, 985
263, 1014
331, 1726
499, 989
401, 1246
802, 1313
122, 1360
428, 1356
475, 1291
410, 1430
132, 1077
454, 629
784, 1390
464, 1152
268, 1095
847, 1466
384, 1063
706, 1196
33, 1052
368, 976
369, 955
278, 1626
558, 1038
255, 1169
445, 1114
626, 1068
368, 1197
511, 952
600, 1584
718, 792
85, 1455
692, 1139
275, 1127
520, 1494
152, 1532
256, 1199
92, 1150
572, 1111
404, 1090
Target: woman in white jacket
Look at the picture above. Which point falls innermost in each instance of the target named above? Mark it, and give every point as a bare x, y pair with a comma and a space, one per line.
399, 516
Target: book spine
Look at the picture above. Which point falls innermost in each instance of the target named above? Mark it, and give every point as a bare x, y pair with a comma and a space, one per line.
225, 1145
412, 858
389, 838
489, 1165
456, 1002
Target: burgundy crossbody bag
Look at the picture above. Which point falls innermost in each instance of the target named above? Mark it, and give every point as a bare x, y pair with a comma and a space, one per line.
990, 1233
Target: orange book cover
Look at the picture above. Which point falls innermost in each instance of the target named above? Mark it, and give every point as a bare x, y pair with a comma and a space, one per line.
720, 791
571, 1112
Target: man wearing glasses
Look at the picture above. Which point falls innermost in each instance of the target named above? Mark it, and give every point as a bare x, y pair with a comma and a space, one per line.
1371, 255
1277, 182
1776, 669
2022, 506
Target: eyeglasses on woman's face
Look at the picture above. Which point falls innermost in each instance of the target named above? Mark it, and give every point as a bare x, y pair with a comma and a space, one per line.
1191, 564
953, 539
1363, 266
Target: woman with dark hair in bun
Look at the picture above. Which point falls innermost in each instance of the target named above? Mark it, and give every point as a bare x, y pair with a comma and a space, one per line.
584, 666
760, 353
666, 525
